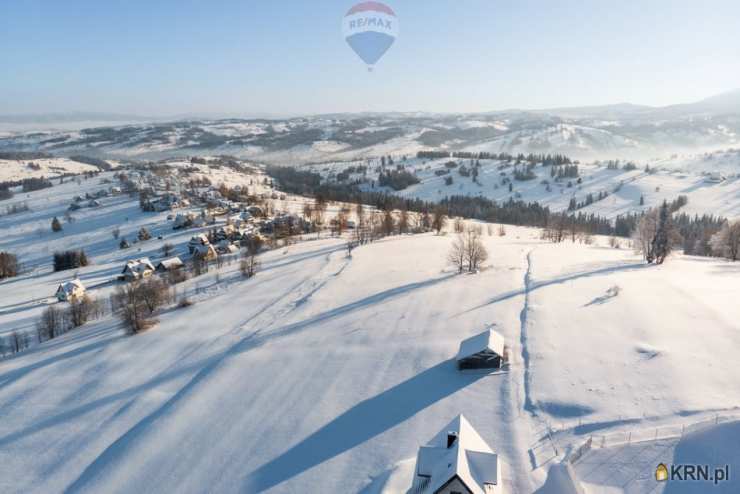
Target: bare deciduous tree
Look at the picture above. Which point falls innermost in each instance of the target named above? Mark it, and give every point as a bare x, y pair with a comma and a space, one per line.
456, 256
80, 311
8, 265
475, 252
439, 220
51, 324
128, 301
389, 223
155, 293
249, 265
403, 222
725, 242
467, 251
644, 234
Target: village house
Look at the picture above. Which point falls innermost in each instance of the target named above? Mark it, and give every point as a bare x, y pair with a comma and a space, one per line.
138, 269
205, 252
168, 265
70, 290
162, 202
183, 220
200, 222
483, 351
198, 241
226, 247
255, 211
457, 460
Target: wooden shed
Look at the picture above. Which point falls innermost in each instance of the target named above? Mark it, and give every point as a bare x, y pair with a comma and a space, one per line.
483, 351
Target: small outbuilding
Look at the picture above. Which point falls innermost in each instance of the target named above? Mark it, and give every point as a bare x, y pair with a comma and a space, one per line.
457, 460
70, 290
483, 351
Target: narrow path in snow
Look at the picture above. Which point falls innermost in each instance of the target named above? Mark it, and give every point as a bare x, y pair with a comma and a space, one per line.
517, 400
527, 405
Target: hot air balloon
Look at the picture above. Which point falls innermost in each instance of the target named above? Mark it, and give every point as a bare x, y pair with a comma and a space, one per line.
370, 28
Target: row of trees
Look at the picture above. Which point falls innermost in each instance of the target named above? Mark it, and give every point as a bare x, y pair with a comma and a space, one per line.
659, 231
726, 242
54, 322
8, 265
71, 259
397, 179
546, 160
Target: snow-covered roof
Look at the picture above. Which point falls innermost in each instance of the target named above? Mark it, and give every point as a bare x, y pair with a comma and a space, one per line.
171, 263
203, 250
69, 287
468, 457
200, 239
487, 340
139, 266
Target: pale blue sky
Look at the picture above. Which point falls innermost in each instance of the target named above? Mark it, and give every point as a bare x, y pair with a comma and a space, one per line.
169, 57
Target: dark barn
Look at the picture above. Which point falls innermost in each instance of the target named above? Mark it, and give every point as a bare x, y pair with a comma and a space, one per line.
483, 351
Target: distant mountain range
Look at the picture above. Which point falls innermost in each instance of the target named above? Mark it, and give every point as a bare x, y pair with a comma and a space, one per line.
610, 131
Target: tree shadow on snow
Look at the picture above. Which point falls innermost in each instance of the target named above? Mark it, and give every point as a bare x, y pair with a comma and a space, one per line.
361, 423
563, 279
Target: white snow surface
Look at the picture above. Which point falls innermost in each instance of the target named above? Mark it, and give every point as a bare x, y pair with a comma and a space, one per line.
326, 372
15, 170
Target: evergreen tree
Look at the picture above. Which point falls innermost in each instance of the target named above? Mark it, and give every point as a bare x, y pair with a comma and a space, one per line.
661, 243
56, 225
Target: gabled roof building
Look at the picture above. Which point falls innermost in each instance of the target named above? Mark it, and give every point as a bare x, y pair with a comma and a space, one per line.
459, 461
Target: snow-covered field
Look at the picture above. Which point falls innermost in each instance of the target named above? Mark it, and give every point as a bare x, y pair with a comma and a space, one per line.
15, 170
326, 372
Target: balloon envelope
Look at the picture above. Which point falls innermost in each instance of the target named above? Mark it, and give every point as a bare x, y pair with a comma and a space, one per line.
370, 29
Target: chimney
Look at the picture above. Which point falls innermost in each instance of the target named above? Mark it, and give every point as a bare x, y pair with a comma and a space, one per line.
451, 437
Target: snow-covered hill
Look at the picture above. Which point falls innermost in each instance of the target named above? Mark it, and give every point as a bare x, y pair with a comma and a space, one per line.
326, 372
606, 132
710, 182
17, 170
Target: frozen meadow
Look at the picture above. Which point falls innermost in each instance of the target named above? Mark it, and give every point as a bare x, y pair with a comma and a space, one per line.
327, 372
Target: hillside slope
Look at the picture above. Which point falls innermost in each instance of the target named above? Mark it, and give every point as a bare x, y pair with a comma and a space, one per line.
326, 370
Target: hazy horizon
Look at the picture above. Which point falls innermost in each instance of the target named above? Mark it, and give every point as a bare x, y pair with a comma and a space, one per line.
233, 58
